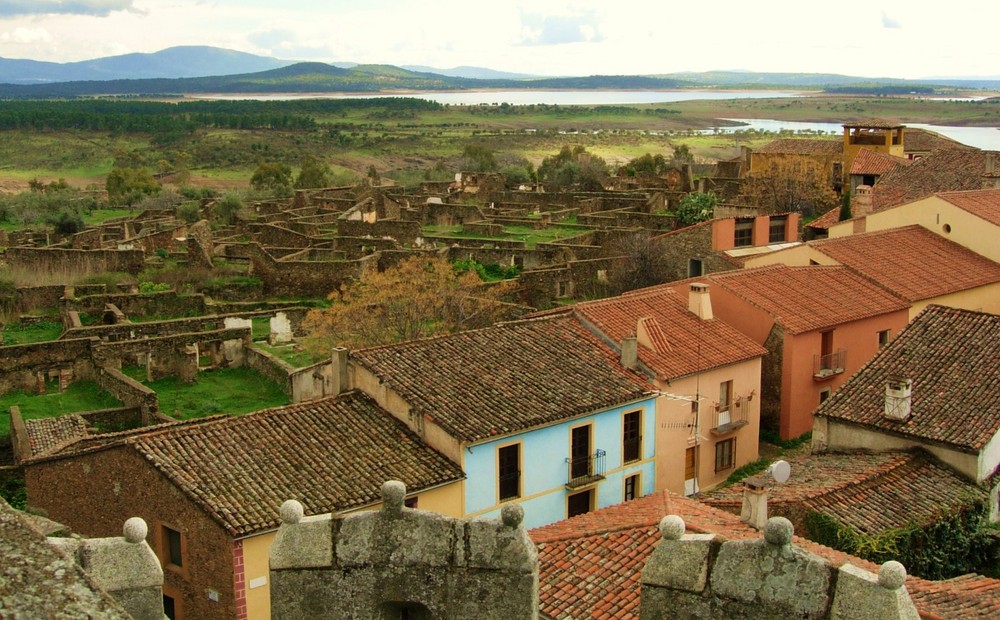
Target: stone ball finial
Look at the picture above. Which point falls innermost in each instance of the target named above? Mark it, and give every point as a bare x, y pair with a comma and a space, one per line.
512, 515
672, 527
778, 531
135, 530
291, 512
393, 494
892, 575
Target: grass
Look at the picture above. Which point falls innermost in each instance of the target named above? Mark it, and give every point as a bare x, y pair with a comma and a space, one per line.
41, 331
295, 356
232, 391
78, 397
530, 236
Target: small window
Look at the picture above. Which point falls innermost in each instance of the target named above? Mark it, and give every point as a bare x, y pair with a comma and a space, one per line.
631, 437
725, 452
579, 503
883, 338
631, 487
744, 233
824, 394
410, 502
778, 226
696, 267
509, 471
169, 607
172, 547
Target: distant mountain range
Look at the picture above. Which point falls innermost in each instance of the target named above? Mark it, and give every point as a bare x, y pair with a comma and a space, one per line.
203, 69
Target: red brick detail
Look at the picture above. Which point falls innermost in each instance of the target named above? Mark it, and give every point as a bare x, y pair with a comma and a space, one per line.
239, 581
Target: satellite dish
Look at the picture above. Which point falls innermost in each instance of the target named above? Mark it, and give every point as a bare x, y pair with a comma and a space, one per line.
779, 471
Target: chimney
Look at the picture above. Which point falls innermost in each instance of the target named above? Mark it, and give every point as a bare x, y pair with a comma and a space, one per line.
630, 352
339, 362
699, 302
898, 391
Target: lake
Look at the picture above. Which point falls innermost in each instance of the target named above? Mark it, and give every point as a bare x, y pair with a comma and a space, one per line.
528, 97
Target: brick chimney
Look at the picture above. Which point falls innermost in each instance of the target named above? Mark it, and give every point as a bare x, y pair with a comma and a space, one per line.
630, 352
699, 301
339, 361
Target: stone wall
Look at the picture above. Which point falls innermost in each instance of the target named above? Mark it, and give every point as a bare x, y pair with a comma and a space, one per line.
398, 562
693, 242
298, 279
162, 304
402, 231
75, 262
130, 392
268, 235
21, 366
271, 366
770, 378
705, 576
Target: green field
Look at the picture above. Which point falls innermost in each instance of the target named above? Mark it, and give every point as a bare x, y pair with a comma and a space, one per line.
78, 397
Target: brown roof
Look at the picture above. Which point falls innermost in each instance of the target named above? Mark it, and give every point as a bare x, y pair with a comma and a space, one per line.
44, 434
802, 146
940, 171
873, 123
504, 379
869, 161
803, 299
683, 343
826, 220
331, 454
590, 565
912, 261
864, 490
983, 203
923, 141
953, 358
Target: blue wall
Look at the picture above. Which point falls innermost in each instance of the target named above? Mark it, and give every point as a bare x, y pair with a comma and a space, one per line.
544, 469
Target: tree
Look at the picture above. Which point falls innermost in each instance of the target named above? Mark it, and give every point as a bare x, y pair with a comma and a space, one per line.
227, 207
127, 186
646, 165
682, 155
312, 173
845, 206
420, 296
573, 169
478, 158
643, 263
273, 177
696, 207
788, 185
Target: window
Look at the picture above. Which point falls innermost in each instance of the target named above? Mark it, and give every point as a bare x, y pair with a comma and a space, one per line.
631, 437
778, 225
696, 268
631, 487
725, 402
169, 607
410, 502
509, 471
725, 454
579, 452
826, 343
579, 503
823, 395
172, 599
744, 233
172, 547
883, 338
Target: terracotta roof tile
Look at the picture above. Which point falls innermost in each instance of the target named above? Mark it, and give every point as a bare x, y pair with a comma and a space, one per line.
912, 262
869, 161
331, 454
953, 358
940, 171
804, 299
873, 123
826, 220
923, 141
802, 146
45, 434
984, 203
507, 378
684, 344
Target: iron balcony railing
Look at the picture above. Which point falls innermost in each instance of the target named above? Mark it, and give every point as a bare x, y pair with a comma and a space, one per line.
584, 470
828, 365
732, 418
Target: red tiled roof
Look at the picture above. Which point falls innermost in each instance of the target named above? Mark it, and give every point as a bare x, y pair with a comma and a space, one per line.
912, 261
873, 123
826, 220
940, 171
983, 203
684, 344
923, 141
804, 299
507, 378
803, 146
44, 434
331, 454
869, 161
953, 358
590, 565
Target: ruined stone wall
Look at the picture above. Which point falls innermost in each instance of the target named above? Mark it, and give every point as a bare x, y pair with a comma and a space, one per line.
130, 392
20, 365
94, 493
358, 247
269, 235
521, 257
695, 242
398, 562
705, 576
158, 240
271, 366
298, 279
402, 231
87, 240
162, 304
68, 261
437, 214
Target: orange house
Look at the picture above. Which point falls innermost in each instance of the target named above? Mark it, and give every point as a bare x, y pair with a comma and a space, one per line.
819, 324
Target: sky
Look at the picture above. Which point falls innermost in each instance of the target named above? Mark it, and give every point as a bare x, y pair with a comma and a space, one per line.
873, 38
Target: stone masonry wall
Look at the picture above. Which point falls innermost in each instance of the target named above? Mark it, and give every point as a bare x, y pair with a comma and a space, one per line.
60, 260
20, 364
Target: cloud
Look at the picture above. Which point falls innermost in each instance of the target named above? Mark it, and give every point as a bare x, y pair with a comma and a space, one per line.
287, 44
96, 8
888, 22
560, 29
26, 35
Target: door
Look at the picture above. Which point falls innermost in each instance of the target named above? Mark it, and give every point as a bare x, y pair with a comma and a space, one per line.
690, 470
580, 464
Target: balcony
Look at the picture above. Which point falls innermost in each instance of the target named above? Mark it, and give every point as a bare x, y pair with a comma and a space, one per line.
584, 470
731, 419
825, 366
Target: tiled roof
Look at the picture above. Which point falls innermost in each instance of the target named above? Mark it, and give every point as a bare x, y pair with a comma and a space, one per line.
940, 171
953, 358
865, 490
869, 161
912, 261
590, 565
684, 344
923, 141
983, 203
44, 434
808, 146
503, 379
804, 299
826, 220
331, 454
873, 123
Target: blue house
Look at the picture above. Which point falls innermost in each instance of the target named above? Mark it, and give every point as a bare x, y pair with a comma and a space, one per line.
533, 411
